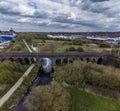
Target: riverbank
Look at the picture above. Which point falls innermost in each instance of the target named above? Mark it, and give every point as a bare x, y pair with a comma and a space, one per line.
18, 94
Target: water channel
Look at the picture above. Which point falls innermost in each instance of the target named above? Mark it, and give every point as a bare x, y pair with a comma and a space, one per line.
43, 77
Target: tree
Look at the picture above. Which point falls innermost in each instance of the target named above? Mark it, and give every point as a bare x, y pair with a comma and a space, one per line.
104, 45
6, 77
80, 49
71, 73
71, 49
117, 62
48, 98
80, 73
27, 36
9, 72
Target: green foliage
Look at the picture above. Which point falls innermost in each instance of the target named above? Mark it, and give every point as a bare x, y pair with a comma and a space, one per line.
27, 80
73, 42
83, 101
71, 74
8, 71
79, 73
48, 48
104, 45
79, 49
117, 62
48, 98
115, 50
6, 76
16, 97
77, 42
17, 46
70, 49
27, 36
30, 36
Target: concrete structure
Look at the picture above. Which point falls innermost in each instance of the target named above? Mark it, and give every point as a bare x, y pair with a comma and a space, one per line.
57, 58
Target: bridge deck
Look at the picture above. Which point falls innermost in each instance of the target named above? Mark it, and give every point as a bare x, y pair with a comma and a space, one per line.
22, 54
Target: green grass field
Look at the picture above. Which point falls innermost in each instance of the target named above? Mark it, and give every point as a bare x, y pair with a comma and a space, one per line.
61, 46
17, 46
83, 101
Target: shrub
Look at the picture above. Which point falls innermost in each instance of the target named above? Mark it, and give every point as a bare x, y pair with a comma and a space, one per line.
115, 50
71, 49
8, 71
77, 42
80, 49
48, 98
71, 74
104, 45
79, 73
117, 62
6, 77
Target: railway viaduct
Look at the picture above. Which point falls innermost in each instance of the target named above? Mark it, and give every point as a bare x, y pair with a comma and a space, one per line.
57, 58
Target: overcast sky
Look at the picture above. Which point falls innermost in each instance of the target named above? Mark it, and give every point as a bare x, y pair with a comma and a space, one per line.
60, 15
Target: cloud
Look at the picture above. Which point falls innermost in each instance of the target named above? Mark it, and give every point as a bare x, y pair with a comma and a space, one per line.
60, 15
99, 0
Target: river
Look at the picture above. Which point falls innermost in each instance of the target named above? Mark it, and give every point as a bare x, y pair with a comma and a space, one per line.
41, 79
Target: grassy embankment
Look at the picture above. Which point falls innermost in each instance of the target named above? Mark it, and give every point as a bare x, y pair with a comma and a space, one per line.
17, 46
83, 101
81, 74
62, 45
18, 94
9, 75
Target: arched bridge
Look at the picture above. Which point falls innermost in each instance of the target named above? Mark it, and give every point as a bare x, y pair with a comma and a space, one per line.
57, 58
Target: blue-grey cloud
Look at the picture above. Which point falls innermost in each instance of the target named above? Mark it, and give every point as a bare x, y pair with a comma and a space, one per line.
99, 0
80, 23
60, 15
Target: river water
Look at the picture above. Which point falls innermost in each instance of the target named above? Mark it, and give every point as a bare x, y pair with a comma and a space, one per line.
41, 79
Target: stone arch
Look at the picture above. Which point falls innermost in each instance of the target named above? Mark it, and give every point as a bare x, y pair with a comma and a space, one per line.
19, 60
87, 59
73, 59
93, 60
81, 59
26, 61
70, 60
65, 61
0, 59
58, 61
11, 59
100, 61
3, 59
32, 60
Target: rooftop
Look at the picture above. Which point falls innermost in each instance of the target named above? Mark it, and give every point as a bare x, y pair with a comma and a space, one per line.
10, 32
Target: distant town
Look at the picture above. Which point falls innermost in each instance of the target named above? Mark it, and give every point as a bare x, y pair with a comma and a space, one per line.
110, 37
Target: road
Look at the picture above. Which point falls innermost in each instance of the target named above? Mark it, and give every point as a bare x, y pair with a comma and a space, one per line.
17, 84
29, 49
